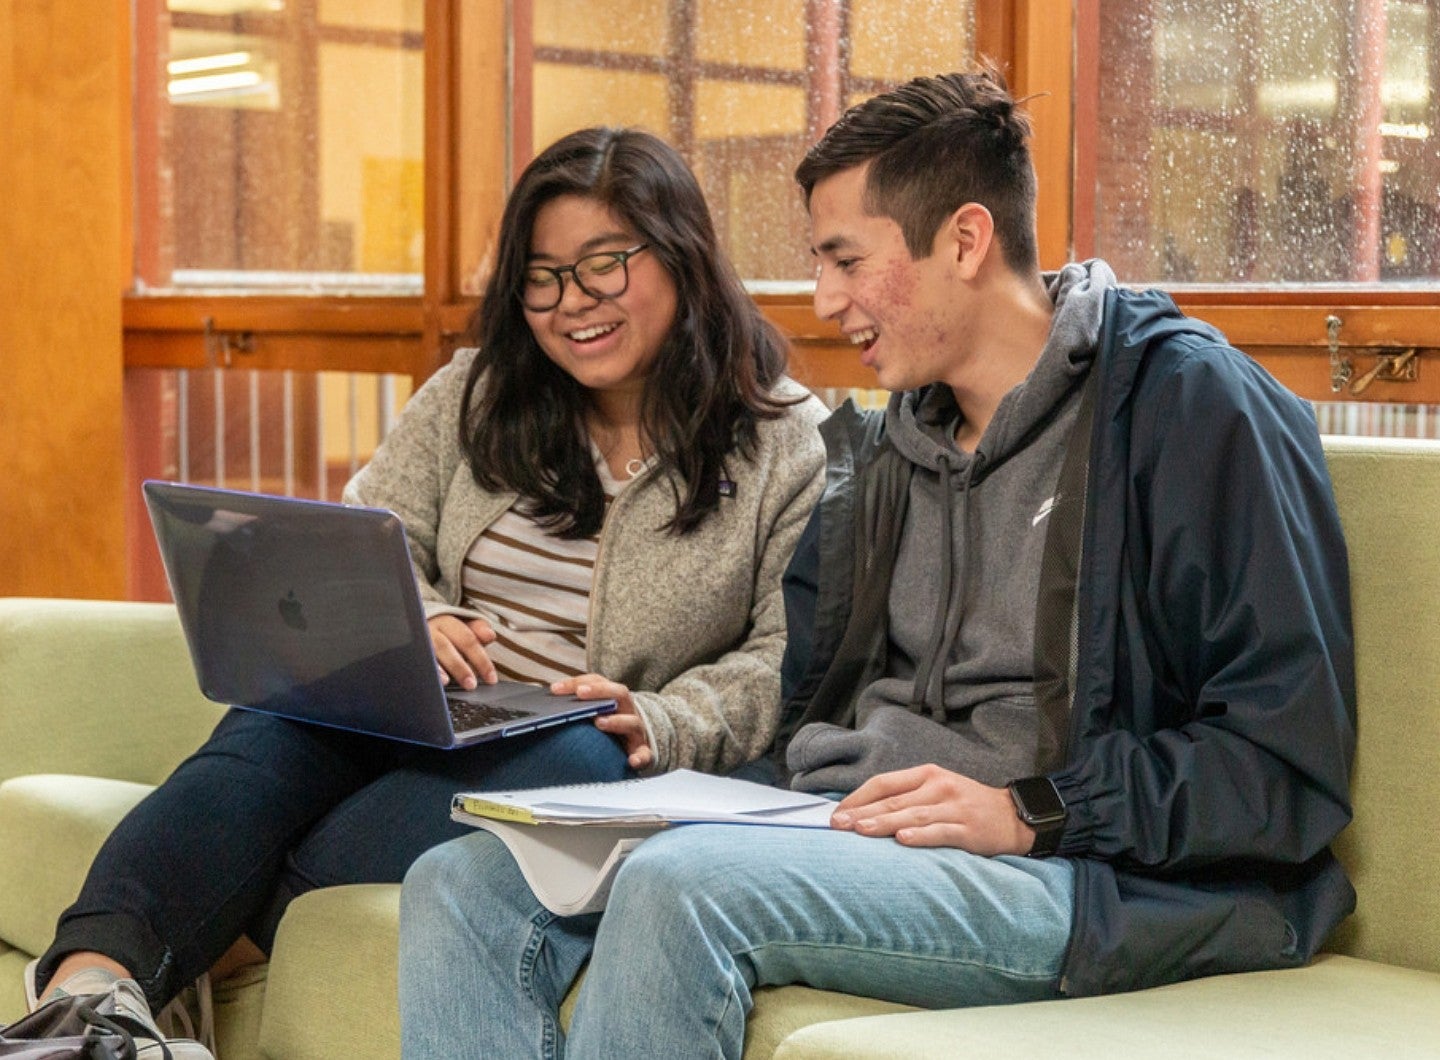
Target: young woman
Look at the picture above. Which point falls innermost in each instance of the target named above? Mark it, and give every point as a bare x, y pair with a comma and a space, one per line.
602, 496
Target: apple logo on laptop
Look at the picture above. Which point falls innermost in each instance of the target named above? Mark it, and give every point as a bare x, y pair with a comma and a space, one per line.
292, 613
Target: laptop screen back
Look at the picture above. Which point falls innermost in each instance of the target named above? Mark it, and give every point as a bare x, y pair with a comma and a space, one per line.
288, 607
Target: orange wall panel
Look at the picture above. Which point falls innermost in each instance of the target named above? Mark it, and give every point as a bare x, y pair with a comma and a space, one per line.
62, 518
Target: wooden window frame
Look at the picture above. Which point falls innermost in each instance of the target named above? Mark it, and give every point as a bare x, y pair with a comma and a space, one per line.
341, 333
1037, 41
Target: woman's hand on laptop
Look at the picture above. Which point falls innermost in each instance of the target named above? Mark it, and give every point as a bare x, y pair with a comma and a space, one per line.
460, 650
625, 724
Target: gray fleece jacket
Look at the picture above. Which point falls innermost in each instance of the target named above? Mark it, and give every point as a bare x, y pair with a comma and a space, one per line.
694, 625
962, 596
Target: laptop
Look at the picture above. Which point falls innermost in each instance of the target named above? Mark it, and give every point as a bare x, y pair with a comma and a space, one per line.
309, 610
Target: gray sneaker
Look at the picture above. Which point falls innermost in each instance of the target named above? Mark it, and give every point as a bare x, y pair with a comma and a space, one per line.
123, 997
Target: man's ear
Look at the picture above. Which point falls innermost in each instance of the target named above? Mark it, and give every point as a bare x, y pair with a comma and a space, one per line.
967, 236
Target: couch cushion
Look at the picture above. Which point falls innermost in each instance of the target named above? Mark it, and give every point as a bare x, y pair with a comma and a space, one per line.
333, 986
12, 988
781, 1010
1338, 1008
51, 827
239, 1008
130, 709
1389, 495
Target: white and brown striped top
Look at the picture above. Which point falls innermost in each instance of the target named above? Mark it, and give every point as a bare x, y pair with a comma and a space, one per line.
534, 590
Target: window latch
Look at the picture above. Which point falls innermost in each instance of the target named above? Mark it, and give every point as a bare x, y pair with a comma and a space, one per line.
1341, 369
220, 346
1397, 366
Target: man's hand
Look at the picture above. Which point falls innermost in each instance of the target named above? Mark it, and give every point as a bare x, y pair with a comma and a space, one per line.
460, 650
932, 807
625, 724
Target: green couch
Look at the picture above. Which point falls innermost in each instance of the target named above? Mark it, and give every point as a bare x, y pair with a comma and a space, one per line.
93, 690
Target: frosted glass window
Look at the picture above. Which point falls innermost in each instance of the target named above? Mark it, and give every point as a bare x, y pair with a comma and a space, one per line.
279, 146
1266, 142
740, 87
757, 33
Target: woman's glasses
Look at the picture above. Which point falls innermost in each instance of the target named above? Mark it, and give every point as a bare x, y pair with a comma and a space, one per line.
602, 275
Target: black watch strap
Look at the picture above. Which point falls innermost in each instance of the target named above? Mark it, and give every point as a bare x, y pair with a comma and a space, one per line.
1039, 805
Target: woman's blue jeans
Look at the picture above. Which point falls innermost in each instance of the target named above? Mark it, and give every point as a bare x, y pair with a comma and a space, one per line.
268, 809
701, 916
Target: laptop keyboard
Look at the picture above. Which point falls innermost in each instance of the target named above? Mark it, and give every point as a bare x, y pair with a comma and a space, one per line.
468, 716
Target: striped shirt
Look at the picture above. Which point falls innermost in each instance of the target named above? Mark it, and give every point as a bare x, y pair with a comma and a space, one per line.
534, 590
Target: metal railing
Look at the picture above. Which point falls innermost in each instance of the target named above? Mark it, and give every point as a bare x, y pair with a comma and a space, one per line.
306, 434
295, 433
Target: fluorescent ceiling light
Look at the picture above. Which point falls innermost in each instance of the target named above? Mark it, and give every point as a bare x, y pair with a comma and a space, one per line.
202, 63
225, 7
1313, 94
1405, 130
190, 86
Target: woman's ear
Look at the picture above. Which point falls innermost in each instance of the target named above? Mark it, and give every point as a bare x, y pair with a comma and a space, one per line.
967, 235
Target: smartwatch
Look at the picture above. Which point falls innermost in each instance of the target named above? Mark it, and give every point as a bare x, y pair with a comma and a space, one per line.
1038, 804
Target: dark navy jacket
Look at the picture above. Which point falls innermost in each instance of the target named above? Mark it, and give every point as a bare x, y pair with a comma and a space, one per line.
1205, 759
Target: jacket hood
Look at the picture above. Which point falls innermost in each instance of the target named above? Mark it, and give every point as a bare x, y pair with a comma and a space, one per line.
921, 423
1137, 321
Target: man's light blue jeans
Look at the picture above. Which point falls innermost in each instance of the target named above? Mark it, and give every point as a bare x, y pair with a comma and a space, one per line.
698, 918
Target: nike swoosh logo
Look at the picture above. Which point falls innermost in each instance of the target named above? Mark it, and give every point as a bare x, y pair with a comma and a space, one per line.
1045, 509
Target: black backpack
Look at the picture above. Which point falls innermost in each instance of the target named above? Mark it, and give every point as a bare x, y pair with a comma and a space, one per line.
76, 1028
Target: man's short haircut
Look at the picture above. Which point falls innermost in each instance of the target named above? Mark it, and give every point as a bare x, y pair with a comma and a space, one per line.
934, 145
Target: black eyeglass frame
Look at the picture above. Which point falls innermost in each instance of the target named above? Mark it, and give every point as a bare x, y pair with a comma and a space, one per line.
621, 258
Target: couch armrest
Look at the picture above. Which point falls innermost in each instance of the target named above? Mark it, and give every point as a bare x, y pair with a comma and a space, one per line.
95, 687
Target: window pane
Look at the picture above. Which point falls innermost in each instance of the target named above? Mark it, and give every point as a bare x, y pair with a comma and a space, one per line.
404, 15
740, 87
279, 145
746, 149
762, 33
895, 42
1266, 141
636, 27
577, 96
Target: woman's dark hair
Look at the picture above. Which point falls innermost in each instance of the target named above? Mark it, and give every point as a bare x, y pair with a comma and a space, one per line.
522, 425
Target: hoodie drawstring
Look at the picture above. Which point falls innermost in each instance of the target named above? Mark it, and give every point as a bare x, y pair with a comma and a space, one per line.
928, 692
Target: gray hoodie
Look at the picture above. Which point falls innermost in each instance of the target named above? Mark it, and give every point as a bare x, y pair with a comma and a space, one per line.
962, 597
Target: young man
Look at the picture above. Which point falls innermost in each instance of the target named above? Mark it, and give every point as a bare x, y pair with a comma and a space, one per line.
1070, 630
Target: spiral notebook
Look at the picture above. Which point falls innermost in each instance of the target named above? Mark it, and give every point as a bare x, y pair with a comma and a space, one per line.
570, 841
681, 796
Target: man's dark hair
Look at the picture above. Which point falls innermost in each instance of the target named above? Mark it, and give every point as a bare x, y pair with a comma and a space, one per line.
712, 381
933, 145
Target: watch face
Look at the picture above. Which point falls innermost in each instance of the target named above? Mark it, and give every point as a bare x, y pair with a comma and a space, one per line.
1037, 800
